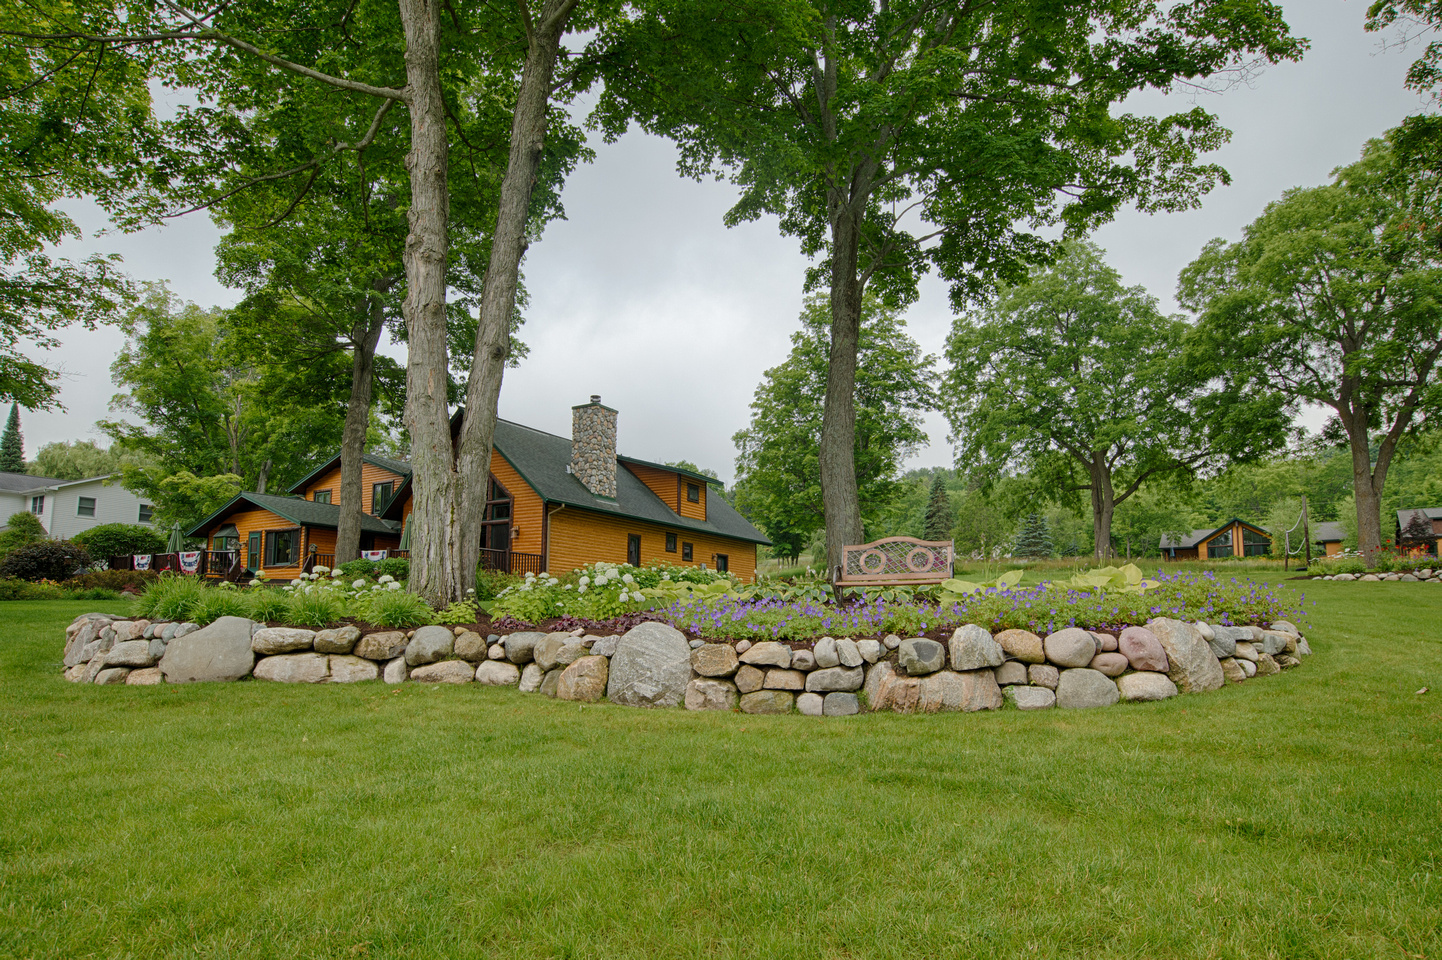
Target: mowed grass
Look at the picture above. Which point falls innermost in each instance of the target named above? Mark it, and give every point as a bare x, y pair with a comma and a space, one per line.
1295, 816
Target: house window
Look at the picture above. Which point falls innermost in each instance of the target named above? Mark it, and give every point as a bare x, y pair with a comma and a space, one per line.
1255, 544
380, 493
37, 505
1220, 546
723, 563
282, 547
146, 512
633, 549
686, 551
321, 496
670, 543
693, 492
86, 507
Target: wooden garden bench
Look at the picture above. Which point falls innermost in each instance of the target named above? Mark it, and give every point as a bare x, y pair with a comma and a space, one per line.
895, 561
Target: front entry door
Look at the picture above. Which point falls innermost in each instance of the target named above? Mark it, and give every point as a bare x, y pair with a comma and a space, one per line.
633, 549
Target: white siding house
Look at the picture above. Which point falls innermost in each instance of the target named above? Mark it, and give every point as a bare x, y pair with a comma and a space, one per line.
66, 507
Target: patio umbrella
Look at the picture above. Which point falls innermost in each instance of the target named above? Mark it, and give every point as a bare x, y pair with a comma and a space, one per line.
405, 535
175, 544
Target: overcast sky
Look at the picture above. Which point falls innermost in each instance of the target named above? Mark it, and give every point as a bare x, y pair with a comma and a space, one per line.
644, 297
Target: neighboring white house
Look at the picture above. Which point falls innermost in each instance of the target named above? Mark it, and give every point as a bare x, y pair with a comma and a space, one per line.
66, 507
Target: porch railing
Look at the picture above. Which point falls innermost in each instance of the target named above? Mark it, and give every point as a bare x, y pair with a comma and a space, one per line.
509, 561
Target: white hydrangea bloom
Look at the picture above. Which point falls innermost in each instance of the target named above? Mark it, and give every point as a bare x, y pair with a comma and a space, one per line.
627, 578
358, 585
386, 578
393, 586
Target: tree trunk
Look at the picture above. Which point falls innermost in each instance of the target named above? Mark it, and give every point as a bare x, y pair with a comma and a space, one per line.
837, 456
263, 479
1366, 490
1103, 505
365, 335
498, 297
435, 574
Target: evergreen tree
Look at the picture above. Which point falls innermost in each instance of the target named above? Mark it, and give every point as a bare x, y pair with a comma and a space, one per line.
939, 516
1034, 539
12, 444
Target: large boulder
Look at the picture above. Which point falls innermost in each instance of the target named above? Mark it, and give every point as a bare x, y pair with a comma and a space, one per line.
1030, 698
220, 651
497, 673
547, 650
768, 653
1143, 650
950, 691
1193, 665
1072, 647
472, 646
520, 647
131, 653
1083, 687
651, 667
1111, 664
584, 679
848, 653
293, 668
341, 640
268, 641
1012, 672
972, 648
749, 679
704, 693
345, 668
779, 679
1022, 645
1146, 686
831, 679
430, 645
447, 671
1043, 675
381, 646
715, 660
840, 704
919, 656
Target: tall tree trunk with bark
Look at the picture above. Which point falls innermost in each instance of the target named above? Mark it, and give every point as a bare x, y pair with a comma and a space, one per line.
435, 568
1103, 505
837, 456
365, 336
498, 296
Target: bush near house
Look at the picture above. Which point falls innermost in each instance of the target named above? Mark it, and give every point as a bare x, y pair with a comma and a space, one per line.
21, 529
120, 540
46, 560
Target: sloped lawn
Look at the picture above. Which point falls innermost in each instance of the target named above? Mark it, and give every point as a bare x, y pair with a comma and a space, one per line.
1296, 816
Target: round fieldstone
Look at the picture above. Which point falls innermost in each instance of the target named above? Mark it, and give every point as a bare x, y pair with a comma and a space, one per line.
293, 668
1022, 645
1082, 687
531, 677
1232, 670
1106, 642
972, 648
803, 660
1111, 664
521, 647
651, 667
1142, 650
767, 701
341, 640
768, 653
778, 679
715, 660
919, 656
836, 678
1146, 685
1072, 647
584, 679
268, 641
1030, 698
847, 653
810, 704
447, 671
749, 679
347, 669
824, 650
704, 693
871, 650
494, 673
1043, 675
841, 705
431, 645
1011, 672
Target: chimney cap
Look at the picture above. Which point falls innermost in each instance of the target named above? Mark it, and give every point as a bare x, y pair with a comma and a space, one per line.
595, 398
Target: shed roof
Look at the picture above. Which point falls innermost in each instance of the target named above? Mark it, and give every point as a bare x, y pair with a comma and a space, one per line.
1404, 517
306, 513
1328, 531
1197, 536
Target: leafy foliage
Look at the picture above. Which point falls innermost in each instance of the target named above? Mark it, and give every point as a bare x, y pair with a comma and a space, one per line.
940, 517
21, 529
45, 560
75, 460
394, 608
120, 539
1033, 539
172, 598
12, 444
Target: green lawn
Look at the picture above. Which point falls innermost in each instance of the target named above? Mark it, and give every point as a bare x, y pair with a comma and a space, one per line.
1295, 816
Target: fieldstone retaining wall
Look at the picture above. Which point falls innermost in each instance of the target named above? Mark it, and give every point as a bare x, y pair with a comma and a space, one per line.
1428, 576
653, 665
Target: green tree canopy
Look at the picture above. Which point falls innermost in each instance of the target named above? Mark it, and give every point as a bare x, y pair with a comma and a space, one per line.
940, 517
896, 138
12, 444
1333, 298
1078, 381
1033, 539
75, 460
778, 482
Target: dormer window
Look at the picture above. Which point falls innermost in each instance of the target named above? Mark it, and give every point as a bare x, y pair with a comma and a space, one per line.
693, 492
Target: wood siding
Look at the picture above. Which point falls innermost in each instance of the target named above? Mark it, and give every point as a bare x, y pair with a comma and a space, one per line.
696, 511
663, 483
579, 537
527, 510
370, 475
262, 522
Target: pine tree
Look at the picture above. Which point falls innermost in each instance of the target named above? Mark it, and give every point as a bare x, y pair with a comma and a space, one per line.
1034, 539
939, 517
12, 444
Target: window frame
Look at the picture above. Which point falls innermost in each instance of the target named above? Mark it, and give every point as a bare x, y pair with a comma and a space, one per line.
80, 507
693, 492
723, 563
272, 537
670, 543
38, 502
688, 552
633, 549
146, 513
315, 495
390, 488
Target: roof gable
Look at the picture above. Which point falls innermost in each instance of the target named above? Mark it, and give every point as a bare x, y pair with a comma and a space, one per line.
1169, 542
399, 467
305, 513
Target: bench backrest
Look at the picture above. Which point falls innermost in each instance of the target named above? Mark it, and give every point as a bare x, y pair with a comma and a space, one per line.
896, 560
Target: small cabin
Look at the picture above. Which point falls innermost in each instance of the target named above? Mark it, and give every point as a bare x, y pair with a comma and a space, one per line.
1419, 529
1235, 538
1328, 535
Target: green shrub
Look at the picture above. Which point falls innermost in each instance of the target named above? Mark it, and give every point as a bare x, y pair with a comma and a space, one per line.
461, 611
315, 608
12, 589
393, 608
120, 540
398, 567
268, 605
46, 560
112, 580
490, 583
94, 593
21, 529
215, 604
352, 569
172, 598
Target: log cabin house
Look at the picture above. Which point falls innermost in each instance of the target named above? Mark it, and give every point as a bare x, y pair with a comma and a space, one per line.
553, 504
1235, 538
1329, 535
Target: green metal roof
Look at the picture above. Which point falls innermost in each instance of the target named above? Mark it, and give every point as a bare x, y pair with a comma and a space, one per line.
306, 513
398, 467
542, 460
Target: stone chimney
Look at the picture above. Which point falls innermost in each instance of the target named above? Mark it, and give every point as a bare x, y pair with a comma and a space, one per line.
593, 447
